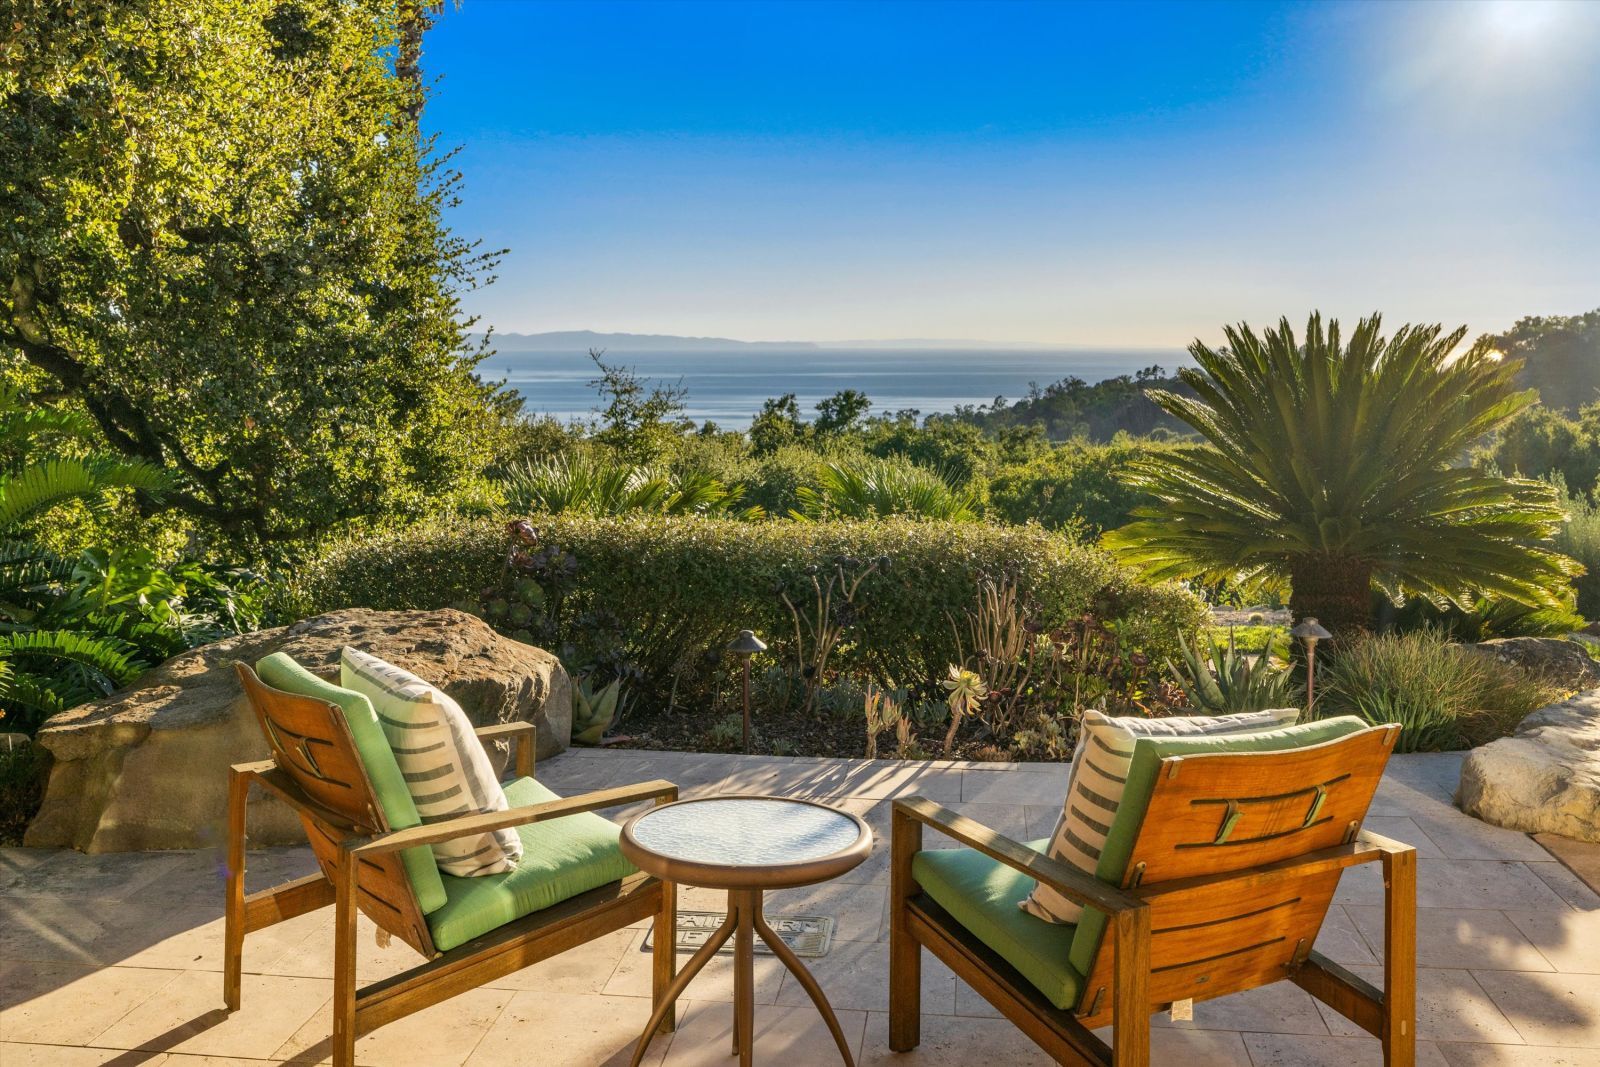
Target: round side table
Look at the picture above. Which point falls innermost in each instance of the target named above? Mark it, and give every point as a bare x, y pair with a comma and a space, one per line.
746, 845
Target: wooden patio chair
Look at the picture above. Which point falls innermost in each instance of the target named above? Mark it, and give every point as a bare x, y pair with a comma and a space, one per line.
1221, 882
318, 770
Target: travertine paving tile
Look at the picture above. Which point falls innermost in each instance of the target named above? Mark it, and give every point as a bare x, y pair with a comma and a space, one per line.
1470, 839
783, 1034
1280, 1008
311, 956
858, 910
1452, 937
1450, 1007
856, 976
1567, 885
71, 1004
1548, 1009
17, 1054
1406, 831
1570, 940
1276, 1050
948, 1041
1491, 885
714, 983
1000, 787
1341, 941
538, 1027
441, 1036
187, 1015
1518, 1056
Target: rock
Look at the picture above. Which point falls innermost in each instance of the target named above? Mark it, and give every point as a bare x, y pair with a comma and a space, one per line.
147, 768
1545, 777
1566, 663
14, 742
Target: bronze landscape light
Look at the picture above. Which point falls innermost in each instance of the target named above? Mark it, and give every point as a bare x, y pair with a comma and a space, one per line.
744, 646
1310, 631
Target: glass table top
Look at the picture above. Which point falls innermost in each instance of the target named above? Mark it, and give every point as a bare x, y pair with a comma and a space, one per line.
745, 831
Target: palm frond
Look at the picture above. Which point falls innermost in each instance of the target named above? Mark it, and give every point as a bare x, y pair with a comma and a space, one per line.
41, 485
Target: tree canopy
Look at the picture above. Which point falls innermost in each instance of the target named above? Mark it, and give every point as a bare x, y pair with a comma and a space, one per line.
223, 239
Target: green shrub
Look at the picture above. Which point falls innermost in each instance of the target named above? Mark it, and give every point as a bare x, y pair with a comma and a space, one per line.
678, 589
1579, 538
880, 488
1219, 679
1444, 696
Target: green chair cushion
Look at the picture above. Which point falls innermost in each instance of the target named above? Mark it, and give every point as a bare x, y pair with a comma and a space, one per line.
280, 671
560, 859
1147, 756
983, 895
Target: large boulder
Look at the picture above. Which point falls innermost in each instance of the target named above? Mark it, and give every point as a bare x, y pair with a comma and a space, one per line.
1545, 777
1566, 663
147, 768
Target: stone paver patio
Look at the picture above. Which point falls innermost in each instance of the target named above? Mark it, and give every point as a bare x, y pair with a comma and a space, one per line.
116, 959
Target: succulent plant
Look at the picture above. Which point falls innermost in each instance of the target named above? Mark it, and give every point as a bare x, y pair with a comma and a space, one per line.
592, 713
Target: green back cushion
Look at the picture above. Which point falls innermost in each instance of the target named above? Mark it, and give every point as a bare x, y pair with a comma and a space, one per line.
280, 671
1147, 756
561, 858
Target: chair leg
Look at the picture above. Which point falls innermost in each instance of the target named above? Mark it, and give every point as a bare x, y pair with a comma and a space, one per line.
1130, 1006
905, 955
233, 905
344, 961
664, 954
1400, 958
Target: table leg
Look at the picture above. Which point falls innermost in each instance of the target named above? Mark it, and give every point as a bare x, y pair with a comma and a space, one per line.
798, 969
748, 905
696, 962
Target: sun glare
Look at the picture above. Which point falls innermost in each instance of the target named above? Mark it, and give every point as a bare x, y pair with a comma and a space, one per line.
1516, 21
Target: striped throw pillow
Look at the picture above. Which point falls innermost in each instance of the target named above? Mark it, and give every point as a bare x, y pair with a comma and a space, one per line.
442, 760
1099, 775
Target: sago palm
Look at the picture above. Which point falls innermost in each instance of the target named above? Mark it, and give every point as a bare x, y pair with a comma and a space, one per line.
1334, 466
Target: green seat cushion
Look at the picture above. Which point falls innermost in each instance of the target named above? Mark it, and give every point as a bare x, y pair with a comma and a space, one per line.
1148, 752
560, 859
280, 671
984, 895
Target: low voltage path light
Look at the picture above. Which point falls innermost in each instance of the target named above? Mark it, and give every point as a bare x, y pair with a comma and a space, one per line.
1310, 631
744, 646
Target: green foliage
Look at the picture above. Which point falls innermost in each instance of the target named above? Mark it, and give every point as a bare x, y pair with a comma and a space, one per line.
1220, 680
224, 242
1334, 466
24, 770
1074, 408
595, 485
1541, 442
1444, 696
881, 489
1076, 486
1579, 538
1560, 357
639, 424
677, 589
840, 412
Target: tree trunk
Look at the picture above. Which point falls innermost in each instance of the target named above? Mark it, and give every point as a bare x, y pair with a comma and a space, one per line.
1335, 590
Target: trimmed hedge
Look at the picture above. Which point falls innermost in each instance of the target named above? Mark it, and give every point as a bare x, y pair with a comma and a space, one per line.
684, 586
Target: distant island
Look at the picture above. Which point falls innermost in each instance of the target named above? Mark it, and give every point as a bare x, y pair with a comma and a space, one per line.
583, 340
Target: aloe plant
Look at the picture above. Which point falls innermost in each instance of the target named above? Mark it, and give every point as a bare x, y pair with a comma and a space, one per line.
1220, 680
592, 712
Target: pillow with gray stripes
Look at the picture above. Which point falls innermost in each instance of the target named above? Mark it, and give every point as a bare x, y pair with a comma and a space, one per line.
1099, 775
444, 764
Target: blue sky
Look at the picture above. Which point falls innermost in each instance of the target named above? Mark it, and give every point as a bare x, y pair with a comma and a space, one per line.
1094, 174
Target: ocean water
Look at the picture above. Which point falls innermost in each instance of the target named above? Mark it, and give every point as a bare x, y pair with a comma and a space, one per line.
729, 387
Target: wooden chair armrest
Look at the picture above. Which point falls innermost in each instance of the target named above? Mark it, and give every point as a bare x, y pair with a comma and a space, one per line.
521, 734
467, 825
1068, 881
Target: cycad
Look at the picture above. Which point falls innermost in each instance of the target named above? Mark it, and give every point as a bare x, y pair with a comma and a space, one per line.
47, 667
1331, 467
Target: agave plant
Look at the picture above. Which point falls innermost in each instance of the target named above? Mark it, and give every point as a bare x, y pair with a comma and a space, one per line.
1220, 680
597, 486
592, 712
878, 488
1333, 467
